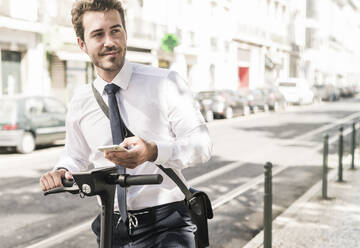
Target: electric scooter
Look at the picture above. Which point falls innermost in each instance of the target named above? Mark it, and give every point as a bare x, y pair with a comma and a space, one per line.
102, 182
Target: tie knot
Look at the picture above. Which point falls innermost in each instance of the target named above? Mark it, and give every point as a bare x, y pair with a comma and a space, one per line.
111, 88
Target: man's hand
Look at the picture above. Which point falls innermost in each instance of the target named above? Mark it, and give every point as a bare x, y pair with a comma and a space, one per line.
52, 179
140, 151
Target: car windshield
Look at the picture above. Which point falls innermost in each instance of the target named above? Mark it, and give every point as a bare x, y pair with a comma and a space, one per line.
206, 94
287, 84
7, 111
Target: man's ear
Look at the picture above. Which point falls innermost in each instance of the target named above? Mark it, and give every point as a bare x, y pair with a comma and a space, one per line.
81, 44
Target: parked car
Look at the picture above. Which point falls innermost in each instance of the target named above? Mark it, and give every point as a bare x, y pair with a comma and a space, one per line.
205, 108
255, 99
223, 103
346, 91
327, 92
258, 101
296, 91
274, 98
237, 102
27, 121
318, 93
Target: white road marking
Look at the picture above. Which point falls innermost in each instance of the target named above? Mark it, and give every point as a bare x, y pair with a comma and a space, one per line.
259, 179
71, 232
60, 237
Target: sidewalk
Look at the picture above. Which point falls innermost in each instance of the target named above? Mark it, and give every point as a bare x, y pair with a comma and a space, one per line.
312, 222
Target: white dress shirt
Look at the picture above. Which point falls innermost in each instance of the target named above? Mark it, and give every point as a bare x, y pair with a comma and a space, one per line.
156, 105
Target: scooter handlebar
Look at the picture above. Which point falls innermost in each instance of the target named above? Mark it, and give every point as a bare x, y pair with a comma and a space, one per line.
68, 186
130, 180
124, 180
67, 182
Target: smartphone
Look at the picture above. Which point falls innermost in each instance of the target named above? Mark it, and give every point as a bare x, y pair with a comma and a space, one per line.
111, 148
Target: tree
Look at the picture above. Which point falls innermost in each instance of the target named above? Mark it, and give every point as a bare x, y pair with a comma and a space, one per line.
169, 42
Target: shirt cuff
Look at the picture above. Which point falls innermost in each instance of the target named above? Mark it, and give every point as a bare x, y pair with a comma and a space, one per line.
59, 168
164, 152
67, 163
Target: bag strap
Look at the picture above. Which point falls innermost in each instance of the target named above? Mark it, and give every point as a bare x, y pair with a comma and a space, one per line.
100, 101
105, 109
171, 173
168, 171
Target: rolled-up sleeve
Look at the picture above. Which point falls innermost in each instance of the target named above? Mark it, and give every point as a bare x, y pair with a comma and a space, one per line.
191, 142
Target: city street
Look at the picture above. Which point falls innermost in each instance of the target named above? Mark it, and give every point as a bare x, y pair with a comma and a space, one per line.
291, 140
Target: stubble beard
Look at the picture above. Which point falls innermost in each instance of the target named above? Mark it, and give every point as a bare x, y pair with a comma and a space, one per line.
114, 65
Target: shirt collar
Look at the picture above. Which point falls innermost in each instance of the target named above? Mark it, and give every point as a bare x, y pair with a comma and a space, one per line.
122, 79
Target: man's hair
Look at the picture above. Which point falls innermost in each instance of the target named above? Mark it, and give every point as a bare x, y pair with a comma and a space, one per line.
81, 6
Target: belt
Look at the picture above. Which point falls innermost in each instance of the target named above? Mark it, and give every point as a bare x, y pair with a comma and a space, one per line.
151, 214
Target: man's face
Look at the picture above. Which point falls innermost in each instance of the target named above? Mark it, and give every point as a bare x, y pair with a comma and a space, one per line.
104, 40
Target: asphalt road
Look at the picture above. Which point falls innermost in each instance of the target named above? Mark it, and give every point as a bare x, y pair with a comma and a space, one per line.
291, 140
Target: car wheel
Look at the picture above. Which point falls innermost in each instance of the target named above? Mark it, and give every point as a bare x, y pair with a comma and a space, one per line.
228, 113
209, 116
27, 143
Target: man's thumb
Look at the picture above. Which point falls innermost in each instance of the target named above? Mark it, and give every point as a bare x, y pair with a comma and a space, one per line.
68, 175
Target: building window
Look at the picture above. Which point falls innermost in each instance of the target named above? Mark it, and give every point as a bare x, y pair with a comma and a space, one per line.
311, 9
192, 38
214, 43
179, 34
11, 72
213, 9
310, 38
226, 46
212, 76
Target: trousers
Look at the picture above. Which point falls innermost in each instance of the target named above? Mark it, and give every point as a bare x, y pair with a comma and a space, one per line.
163, 226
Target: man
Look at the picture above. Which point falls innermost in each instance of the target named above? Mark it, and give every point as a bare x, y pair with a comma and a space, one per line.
156, 105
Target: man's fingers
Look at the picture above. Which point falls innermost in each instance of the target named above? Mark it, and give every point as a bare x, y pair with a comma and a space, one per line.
131, 141
128, 162
44, 183
52, 179
57, 176
120, 157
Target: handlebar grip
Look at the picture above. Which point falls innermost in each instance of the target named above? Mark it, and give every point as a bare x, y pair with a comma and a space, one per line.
143, 179
67, 182
54, 191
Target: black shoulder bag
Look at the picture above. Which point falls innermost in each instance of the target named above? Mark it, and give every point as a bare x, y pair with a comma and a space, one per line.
198, 202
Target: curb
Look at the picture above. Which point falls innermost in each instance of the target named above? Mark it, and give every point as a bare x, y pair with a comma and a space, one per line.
258, 240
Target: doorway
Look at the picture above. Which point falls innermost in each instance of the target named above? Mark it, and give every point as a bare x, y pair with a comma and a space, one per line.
243, 74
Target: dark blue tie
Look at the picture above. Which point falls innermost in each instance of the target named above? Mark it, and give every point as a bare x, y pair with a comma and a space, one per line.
117, 131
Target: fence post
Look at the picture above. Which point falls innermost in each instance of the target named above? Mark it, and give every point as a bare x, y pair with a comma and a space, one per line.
325, 164
341, 149
353, 145
268, 205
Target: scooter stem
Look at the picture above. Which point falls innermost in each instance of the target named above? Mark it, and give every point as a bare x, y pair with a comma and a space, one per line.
107, 202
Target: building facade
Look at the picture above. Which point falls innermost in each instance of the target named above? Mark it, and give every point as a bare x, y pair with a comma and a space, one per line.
229, 44
332, 53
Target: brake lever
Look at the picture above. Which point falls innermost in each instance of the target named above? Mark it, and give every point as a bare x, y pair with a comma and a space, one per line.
73, 190
69, 187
